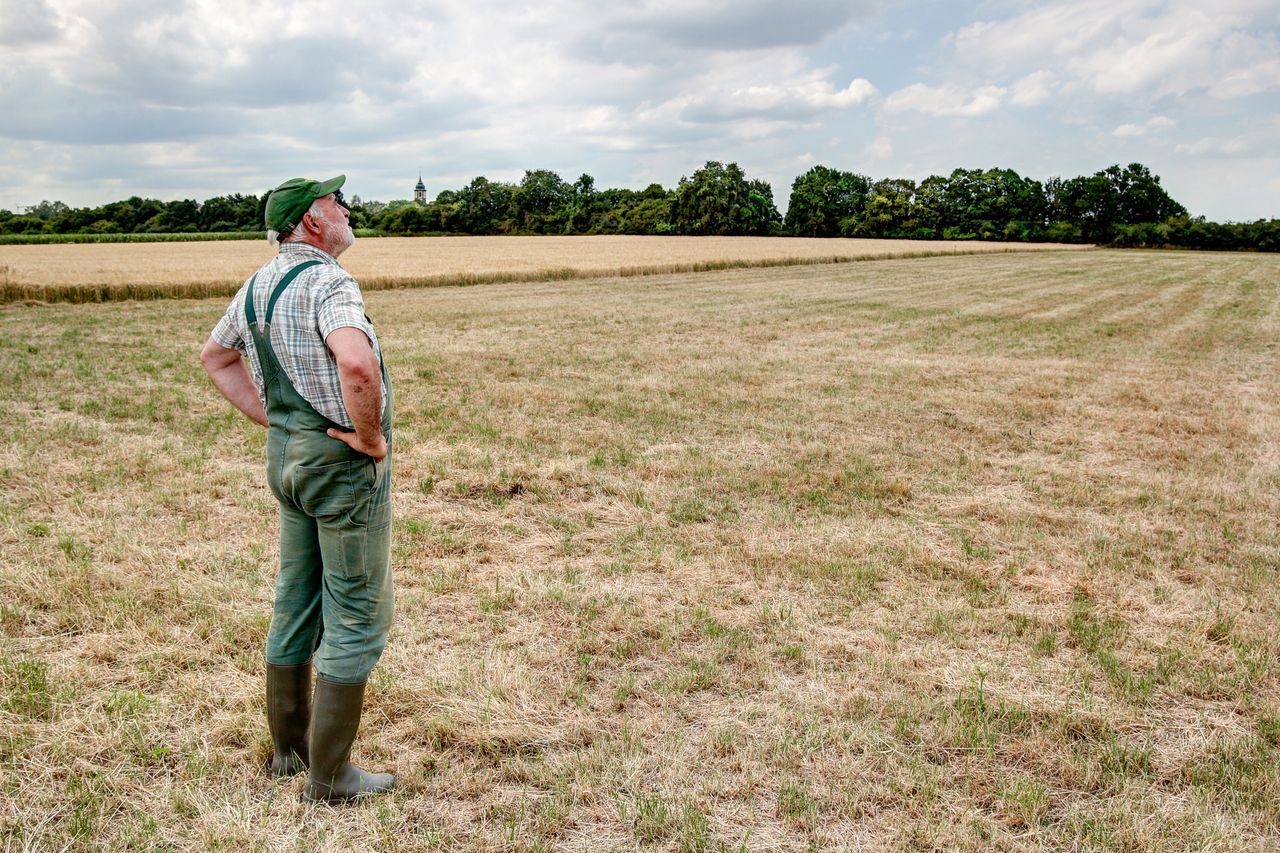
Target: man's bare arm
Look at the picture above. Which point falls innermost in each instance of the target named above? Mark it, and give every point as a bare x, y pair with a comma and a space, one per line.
230, 376
360, 377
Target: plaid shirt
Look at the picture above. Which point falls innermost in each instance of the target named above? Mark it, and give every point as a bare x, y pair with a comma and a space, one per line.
320, 300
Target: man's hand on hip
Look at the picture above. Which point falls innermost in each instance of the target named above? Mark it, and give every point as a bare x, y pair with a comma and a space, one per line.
360, 376
376, 450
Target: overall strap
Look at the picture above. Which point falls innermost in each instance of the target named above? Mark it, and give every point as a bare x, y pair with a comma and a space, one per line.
251, 315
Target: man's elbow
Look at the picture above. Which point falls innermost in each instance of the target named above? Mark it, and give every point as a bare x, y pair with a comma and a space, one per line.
207, 358
362, 369
215, 357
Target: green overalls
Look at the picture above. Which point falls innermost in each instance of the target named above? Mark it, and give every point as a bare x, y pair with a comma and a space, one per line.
334, 597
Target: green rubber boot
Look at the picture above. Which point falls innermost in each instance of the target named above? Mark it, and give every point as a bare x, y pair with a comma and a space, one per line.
288, 717
334, 720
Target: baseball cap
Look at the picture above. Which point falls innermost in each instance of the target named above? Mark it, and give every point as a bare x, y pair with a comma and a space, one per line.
288, 202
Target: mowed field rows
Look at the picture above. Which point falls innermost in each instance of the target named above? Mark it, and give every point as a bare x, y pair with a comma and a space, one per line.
96, 272
950, 553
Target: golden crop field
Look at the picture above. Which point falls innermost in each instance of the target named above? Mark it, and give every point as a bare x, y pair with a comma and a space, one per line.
952, 553
94, 272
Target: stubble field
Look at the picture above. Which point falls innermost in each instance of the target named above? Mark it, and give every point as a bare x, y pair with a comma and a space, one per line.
950, 553
98, 272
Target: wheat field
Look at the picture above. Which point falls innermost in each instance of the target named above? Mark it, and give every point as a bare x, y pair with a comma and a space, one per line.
96, 272
952, 553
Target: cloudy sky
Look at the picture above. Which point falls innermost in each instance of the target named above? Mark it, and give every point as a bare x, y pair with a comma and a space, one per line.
194, 98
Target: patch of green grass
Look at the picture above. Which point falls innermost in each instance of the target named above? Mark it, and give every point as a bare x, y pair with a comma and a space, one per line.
797, 805
693, 510
1046, 644
24, 684
974, 551
1090, 633
976, 721
1026, 802
1241, 774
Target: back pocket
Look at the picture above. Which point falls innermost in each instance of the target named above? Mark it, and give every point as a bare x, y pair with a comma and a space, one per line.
324, 490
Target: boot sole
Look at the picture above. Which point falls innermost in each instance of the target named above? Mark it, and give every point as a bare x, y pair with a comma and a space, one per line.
347, 800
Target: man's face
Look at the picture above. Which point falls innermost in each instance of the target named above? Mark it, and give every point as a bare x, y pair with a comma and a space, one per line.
335, 230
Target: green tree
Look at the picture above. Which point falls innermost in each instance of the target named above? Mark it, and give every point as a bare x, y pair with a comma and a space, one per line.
581, 205
486, 207
22, 225
719, 200
542, 202
822, 197
1102, 202
46, 210
888, 211
932, 210
217, 214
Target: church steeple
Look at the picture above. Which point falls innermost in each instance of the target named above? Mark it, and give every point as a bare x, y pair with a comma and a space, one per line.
420, 191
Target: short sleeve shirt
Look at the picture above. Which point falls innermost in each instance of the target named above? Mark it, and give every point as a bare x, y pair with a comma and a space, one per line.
320, 300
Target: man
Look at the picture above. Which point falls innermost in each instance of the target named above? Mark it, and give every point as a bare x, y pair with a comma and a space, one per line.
316, 381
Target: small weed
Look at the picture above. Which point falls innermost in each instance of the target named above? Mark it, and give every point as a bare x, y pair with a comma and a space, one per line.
1019, 624
979, 722
974, 551
74, 550
498, 599
716, 630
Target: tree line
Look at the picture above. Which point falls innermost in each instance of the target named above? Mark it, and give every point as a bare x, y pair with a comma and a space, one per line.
1122, 206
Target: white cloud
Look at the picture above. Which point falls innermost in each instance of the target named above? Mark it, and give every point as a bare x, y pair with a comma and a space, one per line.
945, 100
27, 22
816, 94
1256, 70
880, 148
1215, 145
1034, 89
792, 100
1166, 47
1143, 128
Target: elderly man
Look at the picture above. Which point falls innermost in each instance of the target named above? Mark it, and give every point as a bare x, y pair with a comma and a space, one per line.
317, 382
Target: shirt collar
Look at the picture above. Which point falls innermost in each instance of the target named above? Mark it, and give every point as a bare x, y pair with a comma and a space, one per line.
302, 250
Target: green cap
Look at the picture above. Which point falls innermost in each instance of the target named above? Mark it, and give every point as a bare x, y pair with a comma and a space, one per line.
288, 202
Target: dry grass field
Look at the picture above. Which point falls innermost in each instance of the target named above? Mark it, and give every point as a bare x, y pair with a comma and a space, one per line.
962, 553
96, 272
